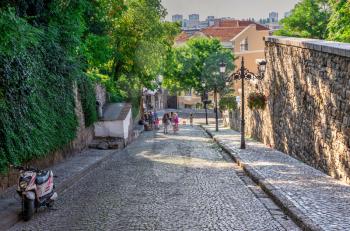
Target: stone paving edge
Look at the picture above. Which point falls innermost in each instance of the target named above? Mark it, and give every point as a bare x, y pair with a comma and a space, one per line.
283, 202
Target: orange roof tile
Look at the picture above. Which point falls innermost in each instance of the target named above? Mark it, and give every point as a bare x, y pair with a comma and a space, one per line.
224, 30
224, 34
182, 37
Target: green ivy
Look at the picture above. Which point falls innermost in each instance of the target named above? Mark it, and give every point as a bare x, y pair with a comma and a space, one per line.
86, 89
37, 104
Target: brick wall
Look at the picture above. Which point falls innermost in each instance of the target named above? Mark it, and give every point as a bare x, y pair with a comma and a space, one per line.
308, 113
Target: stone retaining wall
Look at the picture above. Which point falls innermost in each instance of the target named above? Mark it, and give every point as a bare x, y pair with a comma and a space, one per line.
308, 113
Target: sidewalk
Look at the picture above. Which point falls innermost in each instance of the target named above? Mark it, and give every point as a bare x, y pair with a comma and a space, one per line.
313, 199
67, 172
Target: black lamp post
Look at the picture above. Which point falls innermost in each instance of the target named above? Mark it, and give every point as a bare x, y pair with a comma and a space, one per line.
205, 102
222, 72
243, 74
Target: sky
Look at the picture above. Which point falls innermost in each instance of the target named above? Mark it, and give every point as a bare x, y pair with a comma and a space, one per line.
239, 9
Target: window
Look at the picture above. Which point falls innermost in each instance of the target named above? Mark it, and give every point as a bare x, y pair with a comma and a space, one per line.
244, 45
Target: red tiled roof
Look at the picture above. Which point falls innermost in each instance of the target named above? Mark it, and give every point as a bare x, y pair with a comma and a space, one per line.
238, 23
183, 37
224, 34
224, 30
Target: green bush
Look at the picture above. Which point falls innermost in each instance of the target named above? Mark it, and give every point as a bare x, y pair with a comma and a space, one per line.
228, 102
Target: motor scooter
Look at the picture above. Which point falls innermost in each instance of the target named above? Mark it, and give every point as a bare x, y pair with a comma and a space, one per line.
36, 189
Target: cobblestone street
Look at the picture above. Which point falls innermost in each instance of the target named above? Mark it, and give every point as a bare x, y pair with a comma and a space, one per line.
164, 182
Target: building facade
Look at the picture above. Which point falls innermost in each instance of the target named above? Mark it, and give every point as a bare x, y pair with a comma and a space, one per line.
177, 18
193, 21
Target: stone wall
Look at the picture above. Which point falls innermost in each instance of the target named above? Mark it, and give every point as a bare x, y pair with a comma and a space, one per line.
308, 113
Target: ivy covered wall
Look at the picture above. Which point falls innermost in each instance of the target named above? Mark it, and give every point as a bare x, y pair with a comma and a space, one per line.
38, 66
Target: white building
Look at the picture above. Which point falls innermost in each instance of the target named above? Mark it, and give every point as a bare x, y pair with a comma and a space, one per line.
116, 122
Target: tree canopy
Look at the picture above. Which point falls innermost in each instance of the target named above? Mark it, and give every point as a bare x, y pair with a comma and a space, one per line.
198, 62
308, 19
321, 19
47, 47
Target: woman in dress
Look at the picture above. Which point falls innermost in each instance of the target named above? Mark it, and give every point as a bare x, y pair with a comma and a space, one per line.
166, 122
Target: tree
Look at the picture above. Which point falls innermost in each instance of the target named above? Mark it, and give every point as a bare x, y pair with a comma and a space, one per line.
339, 24
195, 63
308, 19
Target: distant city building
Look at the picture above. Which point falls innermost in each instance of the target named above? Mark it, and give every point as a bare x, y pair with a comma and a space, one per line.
177, 17
211, 20
193, 21
272, 22
185, 23
273, 16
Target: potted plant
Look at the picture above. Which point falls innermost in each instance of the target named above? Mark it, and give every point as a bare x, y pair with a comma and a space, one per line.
257, 100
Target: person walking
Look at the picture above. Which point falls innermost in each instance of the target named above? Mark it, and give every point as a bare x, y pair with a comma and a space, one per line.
175, 121
166, 122
191, 119
151, 120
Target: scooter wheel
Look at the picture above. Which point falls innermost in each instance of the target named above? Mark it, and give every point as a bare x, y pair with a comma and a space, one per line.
50, 204
28, 209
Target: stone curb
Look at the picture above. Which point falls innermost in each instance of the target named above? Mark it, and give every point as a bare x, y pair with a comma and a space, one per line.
281, 200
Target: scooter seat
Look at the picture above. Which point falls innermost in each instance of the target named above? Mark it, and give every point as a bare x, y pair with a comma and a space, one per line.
42, 177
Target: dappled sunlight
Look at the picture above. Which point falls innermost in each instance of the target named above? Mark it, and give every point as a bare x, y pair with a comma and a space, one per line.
267, 164
185, 161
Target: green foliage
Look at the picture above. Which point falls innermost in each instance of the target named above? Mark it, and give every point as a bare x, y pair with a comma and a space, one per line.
86, 89
35, 119
228, 102
308, 19
38, 65
47, 45
257, 101
141, 42
321, 19
198, 62
339, 24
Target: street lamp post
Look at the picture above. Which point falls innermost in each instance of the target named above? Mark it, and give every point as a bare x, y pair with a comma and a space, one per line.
244, 74
222, 72
205, 102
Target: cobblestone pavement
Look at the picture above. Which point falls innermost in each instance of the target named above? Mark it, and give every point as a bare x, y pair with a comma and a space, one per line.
164, 182
320, 201
65, 172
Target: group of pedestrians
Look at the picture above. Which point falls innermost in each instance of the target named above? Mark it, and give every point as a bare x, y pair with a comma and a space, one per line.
170, 119
151, 119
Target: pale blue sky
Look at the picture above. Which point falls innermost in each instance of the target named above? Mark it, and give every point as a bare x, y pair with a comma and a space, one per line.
228, 8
